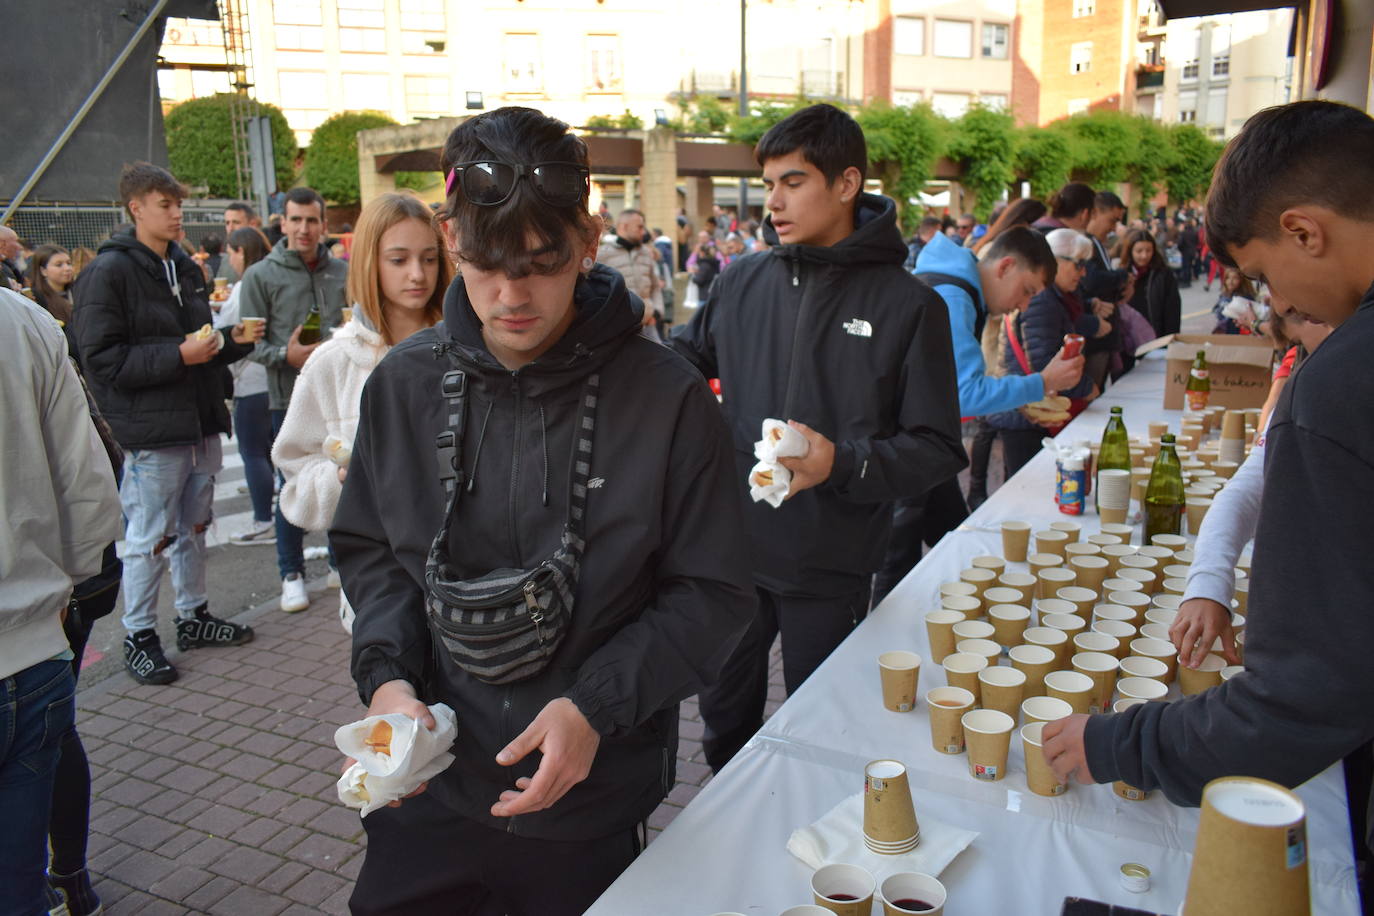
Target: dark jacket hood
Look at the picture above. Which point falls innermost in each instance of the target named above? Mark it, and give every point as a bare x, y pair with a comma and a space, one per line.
608, 314
875, 239
129, 244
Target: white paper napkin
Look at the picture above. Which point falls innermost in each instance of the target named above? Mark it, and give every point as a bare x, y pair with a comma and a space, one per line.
839, 837
416, 755
778, 440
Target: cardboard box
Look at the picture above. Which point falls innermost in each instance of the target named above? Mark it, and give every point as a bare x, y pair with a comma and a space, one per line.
1241, 367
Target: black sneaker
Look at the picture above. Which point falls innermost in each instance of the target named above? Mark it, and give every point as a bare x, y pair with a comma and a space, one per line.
144, 661
204, 630
81, 897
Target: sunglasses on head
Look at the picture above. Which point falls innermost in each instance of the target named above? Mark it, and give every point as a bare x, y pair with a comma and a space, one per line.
489, 183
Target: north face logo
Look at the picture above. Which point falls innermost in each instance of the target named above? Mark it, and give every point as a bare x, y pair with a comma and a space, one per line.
595, 483
858, 327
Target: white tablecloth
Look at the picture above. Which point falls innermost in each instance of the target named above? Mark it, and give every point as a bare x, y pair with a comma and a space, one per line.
725, 852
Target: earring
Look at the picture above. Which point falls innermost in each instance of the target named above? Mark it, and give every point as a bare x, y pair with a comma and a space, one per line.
587, 265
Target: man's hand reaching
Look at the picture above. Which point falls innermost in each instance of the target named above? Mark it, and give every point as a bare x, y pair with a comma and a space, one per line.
568, 744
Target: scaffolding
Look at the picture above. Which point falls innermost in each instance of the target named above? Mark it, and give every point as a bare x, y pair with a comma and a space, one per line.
238, 62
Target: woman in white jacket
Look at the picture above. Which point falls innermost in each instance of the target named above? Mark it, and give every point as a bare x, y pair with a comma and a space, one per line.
397, 277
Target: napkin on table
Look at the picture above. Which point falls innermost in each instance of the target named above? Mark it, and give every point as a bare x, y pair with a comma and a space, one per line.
839, 837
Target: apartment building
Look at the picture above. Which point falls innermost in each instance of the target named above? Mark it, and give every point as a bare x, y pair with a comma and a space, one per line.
1072, 56
950, 54
574, 59
1221, 69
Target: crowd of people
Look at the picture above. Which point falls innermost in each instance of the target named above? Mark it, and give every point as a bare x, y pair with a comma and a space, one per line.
537, 509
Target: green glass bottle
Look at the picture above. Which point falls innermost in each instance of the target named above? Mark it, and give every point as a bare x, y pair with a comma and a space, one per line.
310, 330
1164, 494
1199, 387
1115, 453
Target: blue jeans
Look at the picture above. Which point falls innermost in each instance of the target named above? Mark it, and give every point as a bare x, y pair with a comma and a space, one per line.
253, 429
37, 710
290, 539
168, 496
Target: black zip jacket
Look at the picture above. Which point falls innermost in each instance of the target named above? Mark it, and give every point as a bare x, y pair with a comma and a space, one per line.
844, 340
1303, 701
664, 592
130, 325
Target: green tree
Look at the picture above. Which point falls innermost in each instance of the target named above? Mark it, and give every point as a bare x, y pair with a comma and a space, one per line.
628, 120
903, 144
750, 128
331, 161
1194, 157
982, 141
707, 115
600, 122
1104, 150
1151, 157
1045, 157
200, 151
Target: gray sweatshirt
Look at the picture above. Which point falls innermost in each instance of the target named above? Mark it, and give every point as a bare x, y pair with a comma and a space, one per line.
1304, 699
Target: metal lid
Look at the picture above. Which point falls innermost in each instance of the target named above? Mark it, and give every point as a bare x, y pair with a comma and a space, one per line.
1135, 877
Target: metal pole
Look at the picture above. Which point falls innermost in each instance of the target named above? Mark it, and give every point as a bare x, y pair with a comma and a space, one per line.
85, 108
743, 107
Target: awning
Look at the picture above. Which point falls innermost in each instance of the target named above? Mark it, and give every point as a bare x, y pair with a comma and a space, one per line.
1185, 9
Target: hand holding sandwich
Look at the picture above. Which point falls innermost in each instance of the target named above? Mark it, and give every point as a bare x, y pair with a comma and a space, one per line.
814, 467
398, 696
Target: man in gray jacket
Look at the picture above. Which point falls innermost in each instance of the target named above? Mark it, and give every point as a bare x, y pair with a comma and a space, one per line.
58, 494
297, 278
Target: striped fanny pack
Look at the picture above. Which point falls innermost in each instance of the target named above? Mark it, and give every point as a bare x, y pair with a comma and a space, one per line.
506, 625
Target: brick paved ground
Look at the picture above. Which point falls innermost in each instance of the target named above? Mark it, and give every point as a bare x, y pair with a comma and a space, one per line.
216, 794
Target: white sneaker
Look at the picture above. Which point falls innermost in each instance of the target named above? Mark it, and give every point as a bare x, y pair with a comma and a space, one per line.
293, 594
332, 580
259, 533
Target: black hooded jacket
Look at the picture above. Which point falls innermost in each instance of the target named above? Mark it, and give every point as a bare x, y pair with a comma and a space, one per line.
844, 340
664, 592
130, 325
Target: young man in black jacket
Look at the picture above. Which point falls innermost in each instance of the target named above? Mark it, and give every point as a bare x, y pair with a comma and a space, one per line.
1292, 203
827, 331
160, 376
555, 770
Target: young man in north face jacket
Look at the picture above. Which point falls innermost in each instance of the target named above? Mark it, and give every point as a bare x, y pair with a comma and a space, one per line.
555, 771
142, 319
827, 331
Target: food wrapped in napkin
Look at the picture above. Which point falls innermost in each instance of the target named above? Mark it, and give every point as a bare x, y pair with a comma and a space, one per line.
338, 450
769, 480
394, 755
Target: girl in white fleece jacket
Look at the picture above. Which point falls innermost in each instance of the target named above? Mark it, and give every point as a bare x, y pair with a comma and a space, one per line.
397, 278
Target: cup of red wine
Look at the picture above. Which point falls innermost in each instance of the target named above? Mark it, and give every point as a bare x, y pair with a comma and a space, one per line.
845, 890
912, 892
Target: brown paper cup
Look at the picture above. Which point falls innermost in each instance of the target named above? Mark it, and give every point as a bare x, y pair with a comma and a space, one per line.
1251, 851
1137, 601
1158, 428
1119, 630
1233, 424
1140, 666
961, 589
972, 629
940, 632
1072, 529
1102, 669
1226, 469
1069, 622
1109, 514
1051, 541
1045, 709
1162, 555
1242, 593
1171, 542
1009, 622
1003, 689
1040, 779
1231, 671
1165, 603
970, 606
986, 648
1021, 582
888, 813
1160, 650
1177, 586
1156, 631
899, 672
1000, 594
1034, 662
1081, 598
912, 888
1094, 641
1015, 540
996, 564
1101, 539
1113, 612
1091, 571
1205, 675
1073, 687
979, 578
1052, 580
947, 706
1081, 549
961, 670
1149, 579
1113, 554
1125, 532
988, 735
852, 885
1057, 641
1145, 689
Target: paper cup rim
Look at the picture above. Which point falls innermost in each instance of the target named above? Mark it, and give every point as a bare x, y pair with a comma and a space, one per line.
1112, 472
1036, 728
927, 884
997, 599
1078, 676
886, 660
988, 647
1023, 612
1114, 609
958, 616
1043, 631
987, 722
1023, 580
1136, 682
961, 588
1078, 622
1104, 661
980, 573
1214, 664
1013, 525
1093, 636
1227, 794
1097, 563
853, 871
1021, 649
1149, 660
933, 700
1118, 623
885, 768
999, 675
1129, 599
977, 626
1161, 649
974, 603
1028, 710
1082, 593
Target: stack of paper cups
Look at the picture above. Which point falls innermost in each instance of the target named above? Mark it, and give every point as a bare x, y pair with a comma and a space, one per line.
1113, 495
1233, 437
1251, 851
890, 826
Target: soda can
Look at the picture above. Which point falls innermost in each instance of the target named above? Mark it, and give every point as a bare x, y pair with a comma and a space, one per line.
1072, 486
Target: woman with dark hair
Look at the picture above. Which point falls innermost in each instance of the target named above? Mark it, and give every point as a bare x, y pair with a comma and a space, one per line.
50, 279
1156, 294
536, 378
252, 420
1022, 212
1070, 208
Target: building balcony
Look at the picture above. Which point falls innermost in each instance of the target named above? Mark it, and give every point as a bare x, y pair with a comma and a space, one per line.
1151, 26
1149, 77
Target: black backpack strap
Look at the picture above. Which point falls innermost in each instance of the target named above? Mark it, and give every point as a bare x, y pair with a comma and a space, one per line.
980, 310
582, 455
449, 443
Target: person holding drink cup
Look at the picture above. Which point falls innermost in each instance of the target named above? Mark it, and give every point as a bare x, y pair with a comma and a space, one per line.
1289, 202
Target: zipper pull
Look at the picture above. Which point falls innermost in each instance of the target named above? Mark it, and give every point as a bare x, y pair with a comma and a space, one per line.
796, 273
536, 613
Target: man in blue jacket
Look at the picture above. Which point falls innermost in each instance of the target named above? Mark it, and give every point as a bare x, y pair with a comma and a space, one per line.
1015, 267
